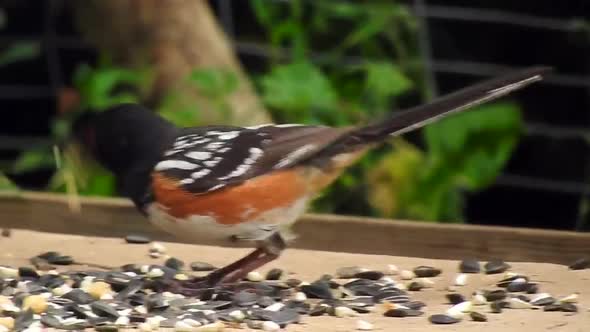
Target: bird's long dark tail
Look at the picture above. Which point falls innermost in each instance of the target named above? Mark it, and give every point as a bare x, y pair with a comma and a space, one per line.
466, 98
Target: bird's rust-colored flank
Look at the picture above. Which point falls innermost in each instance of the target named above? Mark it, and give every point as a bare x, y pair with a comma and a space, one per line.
232, 205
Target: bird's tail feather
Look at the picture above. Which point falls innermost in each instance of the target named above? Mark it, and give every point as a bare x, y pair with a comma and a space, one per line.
419, 116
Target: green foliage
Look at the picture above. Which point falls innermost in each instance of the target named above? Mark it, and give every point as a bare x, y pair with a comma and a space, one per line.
213, 85
33, 159
297, 90
19, 51
6, 184
463, 152
98, 86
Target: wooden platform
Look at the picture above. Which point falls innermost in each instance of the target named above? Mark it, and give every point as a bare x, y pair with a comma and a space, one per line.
117, 218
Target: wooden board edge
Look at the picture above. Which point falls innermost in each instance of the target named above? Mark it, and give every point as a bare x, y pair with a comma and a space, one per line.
117, 217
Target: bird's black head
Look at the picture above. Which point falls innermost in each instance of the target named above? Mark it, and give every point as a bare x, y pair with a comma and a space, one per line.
123, 137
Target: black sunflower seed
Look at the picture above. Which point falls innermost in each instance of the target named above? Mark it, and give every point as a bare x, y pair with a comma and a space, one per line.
532, 288
286, 316
543, 301
569, 307
292, 282
274, 274
495, 295
348, 272
319, 310
265, 301
137, 239
497, 306
61, 260
469, 266
496, 266
132, 287
50, 321
442, 319
78, 311
415, 305
174, 263
155, 302
370, 275
245, 298
455, 298
49, 255
23, 320
202, 266
27, 272
107, 328
517, 286
426, 271
415, 286
317, 290
552, 307
135, 268
401, 312
506, 281
79, 296
103, 309
478, 317
580, 264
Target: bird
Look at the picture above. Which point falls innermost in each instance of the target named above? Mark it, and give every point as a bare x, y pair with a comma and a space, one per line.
251, 183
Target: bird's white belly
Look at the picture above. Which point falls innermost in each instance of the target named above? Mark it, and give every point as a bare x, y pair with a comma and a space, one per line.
205, 228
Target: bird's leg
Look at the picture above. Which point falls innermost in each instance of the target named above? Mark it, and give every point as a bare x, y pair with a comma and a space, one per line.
271, 249
268, 250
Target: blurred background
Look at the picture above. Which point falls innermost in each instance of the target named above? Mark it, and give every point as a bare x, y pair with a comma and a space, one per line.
521, 161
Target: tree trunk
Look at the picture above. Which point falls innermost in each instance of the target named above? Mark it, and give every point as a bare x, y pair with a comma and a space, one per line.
173, 37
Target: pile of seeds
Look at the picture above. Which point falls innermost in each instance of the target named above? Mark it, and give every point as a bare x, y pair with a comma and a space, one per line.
140, 296
514, 291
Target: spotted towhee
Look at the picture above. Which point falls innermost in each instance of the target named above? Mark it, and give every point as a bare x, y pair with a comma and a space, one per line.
248, 182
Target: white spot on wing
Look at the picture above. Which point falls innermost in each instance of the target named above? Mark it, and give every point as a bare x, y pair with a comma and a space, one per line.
213, 162
179, 164
240, 170
200, 174
293, 156
229, 135
214, 145
260, 126
199, 155
187, 181
255, 153
216, 187
288, 125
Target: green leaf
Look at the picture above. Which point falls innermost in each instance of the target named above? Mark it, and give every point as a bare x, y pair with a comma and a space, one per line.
214, 83
183, 117
298, 87
264, 11
6, 184
475, 144
101, 183
385, 80
367, 29
97, 85
33, 159
19, 51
